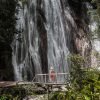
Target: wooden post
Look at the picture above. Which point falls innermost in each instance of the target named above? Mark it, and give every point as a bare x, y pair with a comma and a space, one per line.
56, 77
45, 78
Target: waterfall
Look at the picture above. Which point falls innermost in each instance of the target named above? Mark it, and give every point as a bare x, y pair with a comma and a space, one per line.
43, 39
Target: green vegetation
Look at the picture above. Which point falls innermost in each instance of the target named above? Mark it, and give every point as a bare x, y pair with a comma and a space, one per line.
95, 14
13, 93
85, 82
16, 93
21, 91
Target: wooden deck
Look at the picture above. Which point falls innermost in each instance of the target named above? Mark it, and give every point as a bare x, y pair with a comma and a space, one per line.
45, 83
12, 83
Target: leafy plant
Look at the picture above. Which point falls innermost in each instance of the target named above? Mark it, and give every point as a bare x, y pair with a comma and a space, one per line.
85, 82
6, 97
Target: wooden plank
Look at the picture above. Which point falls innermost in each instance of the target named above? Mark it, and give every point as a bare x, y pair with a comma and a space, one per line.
7, 84
11, 83
55, 83
55, 73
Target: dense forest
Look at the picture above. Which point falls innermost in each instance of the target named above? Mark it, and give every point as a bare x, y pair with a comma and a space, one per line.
85, 79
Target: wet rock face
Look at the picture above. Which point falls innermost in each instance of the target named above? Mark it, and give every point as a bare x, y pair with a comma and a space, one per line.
52, 30
6, 68
7, 30
42, 37
81, 40
68, 32
34, 98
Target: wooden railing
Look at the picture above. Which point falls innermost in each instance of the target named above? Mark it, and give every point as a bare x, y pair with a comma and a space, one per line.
46, 78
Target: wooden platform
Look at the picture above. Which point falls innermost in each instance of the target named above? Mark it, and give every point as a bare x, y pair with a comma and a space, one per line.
14, 83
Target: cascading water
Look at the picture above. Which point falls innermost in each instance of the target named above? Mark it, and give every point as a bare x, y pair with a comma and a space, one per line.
44, 38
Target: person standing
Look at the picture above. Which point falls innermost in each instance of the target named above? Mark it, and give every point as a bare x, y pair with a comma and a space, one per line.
52, 75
